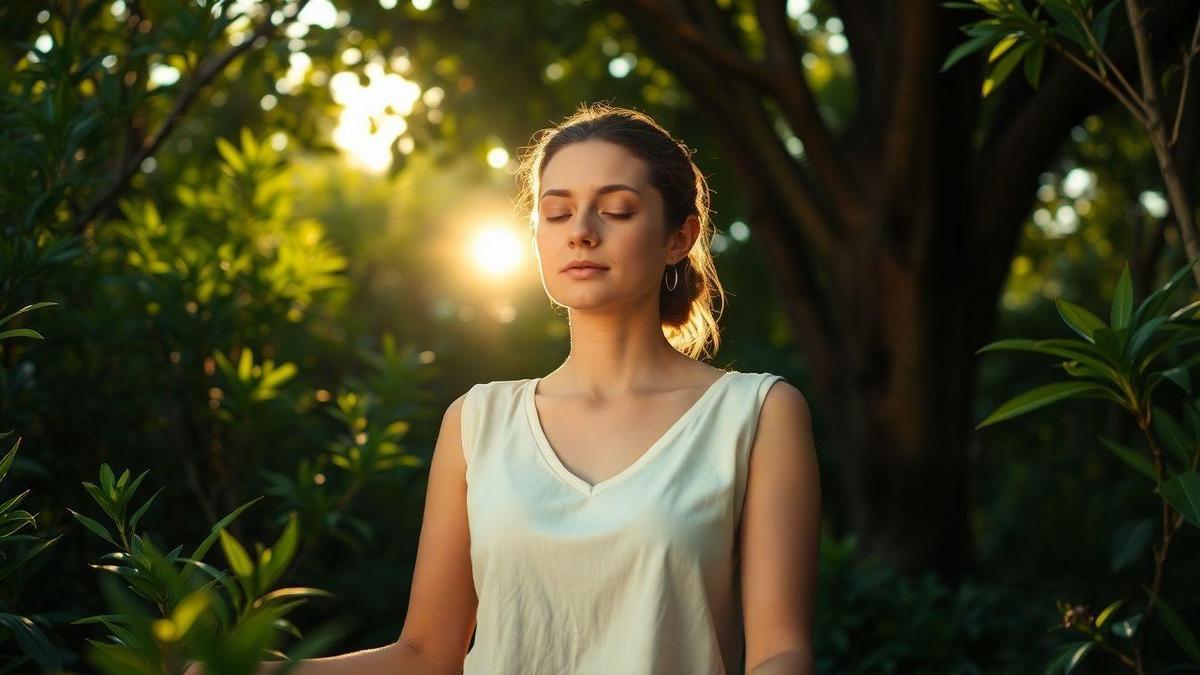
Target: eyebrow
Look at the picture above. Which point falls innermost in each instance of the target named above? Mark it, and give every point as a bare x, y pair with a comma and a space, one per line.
603, 190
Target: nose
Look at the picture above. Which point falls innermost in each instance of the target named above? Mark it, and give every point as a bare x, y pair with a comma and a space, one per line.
582, 231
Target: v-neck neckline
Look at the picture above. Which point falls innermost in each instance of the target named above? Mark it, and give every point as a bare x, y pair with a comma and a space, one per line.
589, 489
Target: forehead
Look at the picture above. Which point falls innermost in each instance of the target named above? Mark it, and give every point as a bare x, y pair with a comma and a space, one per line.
584, 166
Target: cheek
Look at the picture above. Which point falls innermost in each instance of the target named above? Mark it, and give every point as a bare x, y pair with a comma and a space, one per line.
639, 244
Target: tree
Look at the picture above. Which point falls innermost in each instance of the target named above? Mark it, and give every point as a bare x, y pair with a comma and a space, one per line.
891, 237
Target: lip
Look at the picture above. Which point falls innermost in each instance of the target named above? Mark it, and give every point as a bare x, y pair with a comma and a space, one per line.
584, 272
583, 265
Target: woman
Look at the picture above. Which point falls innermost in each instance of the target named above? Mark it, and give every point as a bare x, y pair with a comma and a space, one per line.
636, 510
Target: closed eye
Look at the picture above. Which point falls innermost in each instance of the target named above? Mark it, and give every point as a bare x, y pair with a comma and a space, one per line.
618, 216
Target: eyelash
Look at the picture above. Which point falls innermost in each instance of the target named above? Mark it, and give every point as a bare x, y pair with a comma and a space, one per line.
618, 216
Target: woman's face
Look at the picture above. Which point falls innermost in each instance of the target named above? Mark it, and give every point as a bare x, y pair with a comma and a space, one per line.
596, 204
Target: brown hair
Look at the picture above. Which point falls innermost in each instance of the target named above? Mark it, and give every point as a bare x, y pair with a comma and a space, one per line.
687, 315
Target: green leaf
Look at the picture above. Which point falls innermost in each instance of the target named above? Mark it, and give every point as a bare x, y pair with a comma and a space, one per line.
278, 376
1042, 396
1004, 67
1122, 303
21, 332
102, 499
1067, 25
1002, 46
1132, 351
1107, 613
967, 48
19, 561
1182, 492
1137, 460
107, 480
1179, 375
288, 627
1079, 319
224, 522
1170, 342
1170, 434
137, 515
94, 526
231, 155
129, 491
245, 364
1127, 627
1014, 343
1109, 343
8, 458
238, 559
1184, 311
1069, 657
1128, 542
190, 608
1075, 350
1176, 627
218, 575
1033, 65
1153, 304
1191, 414
14, 501
32, 641
294, 592
26, 308
281, 553
1101, 22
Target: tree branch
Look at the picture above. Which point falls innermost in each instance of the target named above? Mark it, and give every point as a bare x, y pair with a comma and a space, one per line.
1168, 165
676, 22
1133, 105
1183, 86
205, 74
1105, 59
732, 106
799, 105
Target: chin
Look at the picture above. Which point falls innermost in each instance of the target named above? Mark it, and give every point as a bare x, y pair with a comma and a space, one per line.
584, 298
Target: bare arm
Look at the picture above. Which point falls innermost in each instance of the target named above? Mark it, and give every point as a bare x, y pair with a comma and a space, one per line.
441, 607
397, 658
780, 538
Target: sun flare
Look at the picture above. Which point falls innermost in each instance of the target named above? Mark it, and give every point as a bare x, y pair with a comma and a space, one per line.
497, 250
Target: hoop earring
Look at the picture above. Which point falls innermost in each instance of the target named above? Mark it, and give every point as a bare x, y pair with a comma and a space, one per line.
672, 286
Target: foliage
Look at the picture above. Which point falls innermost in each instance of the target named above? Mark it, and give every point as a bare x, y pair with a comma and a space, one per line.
871, 619
1079, 31
229, 627
1017, 35
1113, 361
26, 631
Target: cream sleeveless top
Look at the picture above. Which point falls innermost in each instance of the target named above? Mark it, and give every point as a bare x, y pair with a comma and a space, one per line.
635, 574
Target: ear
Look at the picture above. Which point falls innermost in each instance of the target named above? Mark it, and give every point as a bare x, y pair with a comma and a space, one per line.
683, 239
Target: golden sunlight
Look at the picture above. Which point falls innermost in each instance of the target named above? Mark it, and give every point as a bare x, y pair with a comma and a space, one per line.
373, 116
497, 250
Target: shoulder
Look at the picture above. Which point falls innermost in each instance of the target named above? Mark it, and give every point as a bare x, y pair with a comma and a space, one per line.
776, 397
485, 389
480, 397
784, 422
782, 399
463, 417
